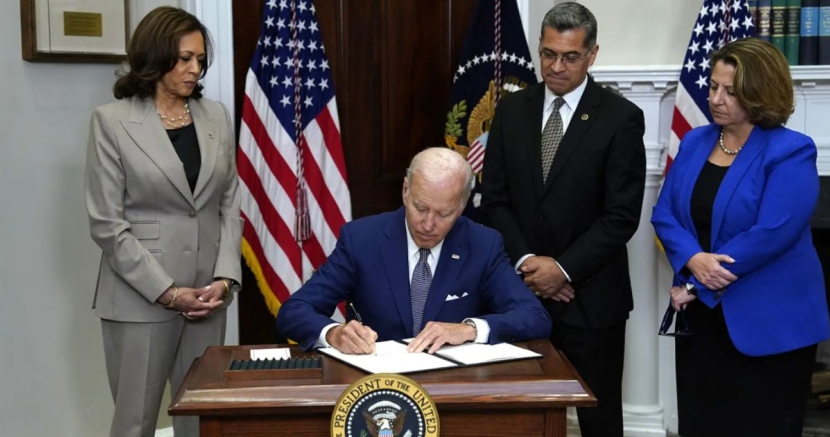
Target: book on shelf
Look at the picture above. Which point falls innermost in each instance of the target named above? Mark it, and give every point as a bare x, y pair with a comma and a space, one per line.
792, 33
808, 34
824, 32
764, 21
778, 22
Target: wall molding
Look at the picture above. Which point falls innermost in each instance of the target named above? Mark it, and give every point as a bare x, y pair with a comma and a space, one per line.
659, 77
652, 87
669, 74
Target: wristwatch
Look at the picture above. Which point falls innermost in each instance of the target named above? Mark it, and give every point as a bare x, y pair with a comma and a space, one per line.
691, 289
470, 322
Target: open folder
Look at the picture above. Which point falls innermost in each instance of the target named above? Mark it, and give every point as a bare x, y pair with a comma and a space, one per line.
391, 357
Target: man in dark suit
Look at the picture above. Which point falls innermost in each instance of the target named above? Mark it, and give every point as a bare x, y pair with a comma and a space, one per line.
421, 271
564, 175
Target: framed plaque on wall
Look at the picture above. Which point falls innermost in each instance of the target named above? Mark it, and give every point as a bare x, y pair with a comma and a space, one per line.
74, 30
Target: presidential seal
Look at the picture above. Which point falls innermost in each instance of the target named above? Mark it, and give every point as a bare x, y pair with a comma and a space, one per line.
385, 405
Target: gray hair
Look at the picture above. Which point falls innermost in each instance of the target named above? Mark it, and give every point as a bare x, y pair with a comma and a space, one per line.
571, 16
440, 164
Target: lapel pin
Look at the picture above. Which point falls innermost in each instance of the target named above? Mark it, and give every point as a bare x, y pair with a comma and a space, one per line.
584, 117
455, 256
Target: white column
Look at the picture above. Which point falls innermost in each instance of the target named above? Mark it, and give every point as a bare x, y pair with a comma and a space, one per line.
217, 16
642, 411
643, 414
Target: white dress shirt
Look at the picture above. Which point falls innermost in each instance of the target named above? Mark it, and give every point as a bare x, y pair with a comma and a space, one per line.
414, 255
566, 111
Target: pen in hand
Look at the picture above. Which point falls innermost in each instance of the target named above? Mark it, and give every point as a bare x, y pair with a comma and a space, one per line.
356, 314
359, 319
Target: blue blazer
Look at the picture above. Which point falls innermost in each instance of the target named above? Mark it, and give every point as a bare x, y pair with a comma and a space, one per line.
761, 218
369, 267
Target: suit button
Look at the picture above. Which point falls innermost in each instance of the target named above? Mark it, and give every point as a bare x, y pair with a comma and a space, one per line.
541, 216
192, 214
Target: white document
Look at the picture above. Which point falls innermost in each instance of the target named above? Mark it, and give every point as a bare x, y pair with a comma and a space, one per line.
391, 357
478, 353
282, 353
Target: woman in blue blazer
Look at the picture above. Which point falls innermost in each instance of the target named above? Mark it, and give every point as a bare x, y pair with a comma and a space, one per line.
734, 219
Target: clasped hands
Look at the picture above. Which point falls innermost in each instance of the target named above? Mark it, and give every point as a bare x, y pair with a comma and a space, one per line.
707, 269
196, 303
544, 277
357, 338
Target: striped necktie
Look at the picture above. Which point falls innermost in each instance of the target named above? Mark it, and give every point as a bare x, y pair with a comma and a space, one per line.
419, 289
551, 137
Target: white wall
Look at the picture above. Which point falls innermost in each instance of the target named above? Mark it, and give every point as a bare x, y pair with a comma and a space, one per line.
629, 32
643, 32
52, 373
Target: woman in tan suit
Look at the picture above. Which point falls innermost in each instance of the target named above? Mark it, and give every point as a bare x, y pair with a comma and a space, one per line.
163, 201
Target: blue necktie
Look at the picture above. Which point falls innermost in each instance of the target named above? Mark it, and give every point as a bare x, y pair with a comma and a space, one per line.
419, 289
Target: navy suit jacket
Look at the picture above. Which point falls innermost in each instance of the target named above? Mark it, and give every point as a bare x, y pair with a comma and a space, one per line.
369, 267
761, 218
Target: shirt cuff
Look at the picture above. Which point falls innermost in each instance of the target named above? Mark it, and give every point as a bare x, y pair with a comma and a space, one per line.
563, 271
521, 260
321, 342
482, 330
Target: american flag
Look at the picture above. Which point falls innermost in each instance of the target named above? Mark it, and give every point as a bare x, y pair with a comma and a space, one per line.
494, 61
295, 195
475, 156
718, 22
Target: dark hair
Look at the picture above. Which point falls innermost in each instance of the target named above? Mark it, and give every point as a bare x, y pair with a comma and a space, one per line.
153, 51
572, 16
763, 85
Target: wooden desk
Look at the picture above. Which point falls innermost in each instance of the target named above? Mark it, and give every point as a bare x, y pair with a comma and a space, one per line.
522, 398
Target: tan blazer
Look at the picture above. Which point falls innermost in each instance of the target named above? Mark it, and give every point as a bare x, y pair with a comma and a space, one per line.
152, 230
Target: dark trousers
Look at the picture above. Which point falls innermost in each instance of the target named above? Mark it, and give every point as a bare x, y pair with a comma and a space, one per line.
724, 393
597, 354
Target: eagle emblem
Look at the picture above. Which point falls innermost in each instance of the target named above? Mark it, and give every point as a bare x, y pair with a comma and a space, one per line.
479, 120
385, 419
385, 405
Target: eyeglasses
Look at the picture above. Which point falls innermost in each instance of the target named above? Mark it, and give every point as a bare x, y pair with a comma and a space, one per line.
681, 327
567, 59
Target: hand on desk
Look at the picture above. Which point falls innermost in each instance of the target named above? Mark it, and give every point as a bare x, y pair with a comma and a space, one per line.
352, 338
436, 334
544, 277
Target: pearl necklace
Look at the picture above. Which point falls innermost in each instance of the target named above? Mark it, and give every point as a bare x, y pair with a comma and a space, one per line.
179, 121
725, 150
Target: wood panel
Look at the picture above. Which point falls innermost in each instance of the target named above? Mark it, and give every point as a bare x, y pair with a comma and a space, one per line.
526, 397
392, 65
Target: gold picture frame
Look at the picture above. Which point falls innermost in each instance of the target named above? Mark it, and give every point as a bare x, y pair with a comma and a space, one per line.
89, 31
